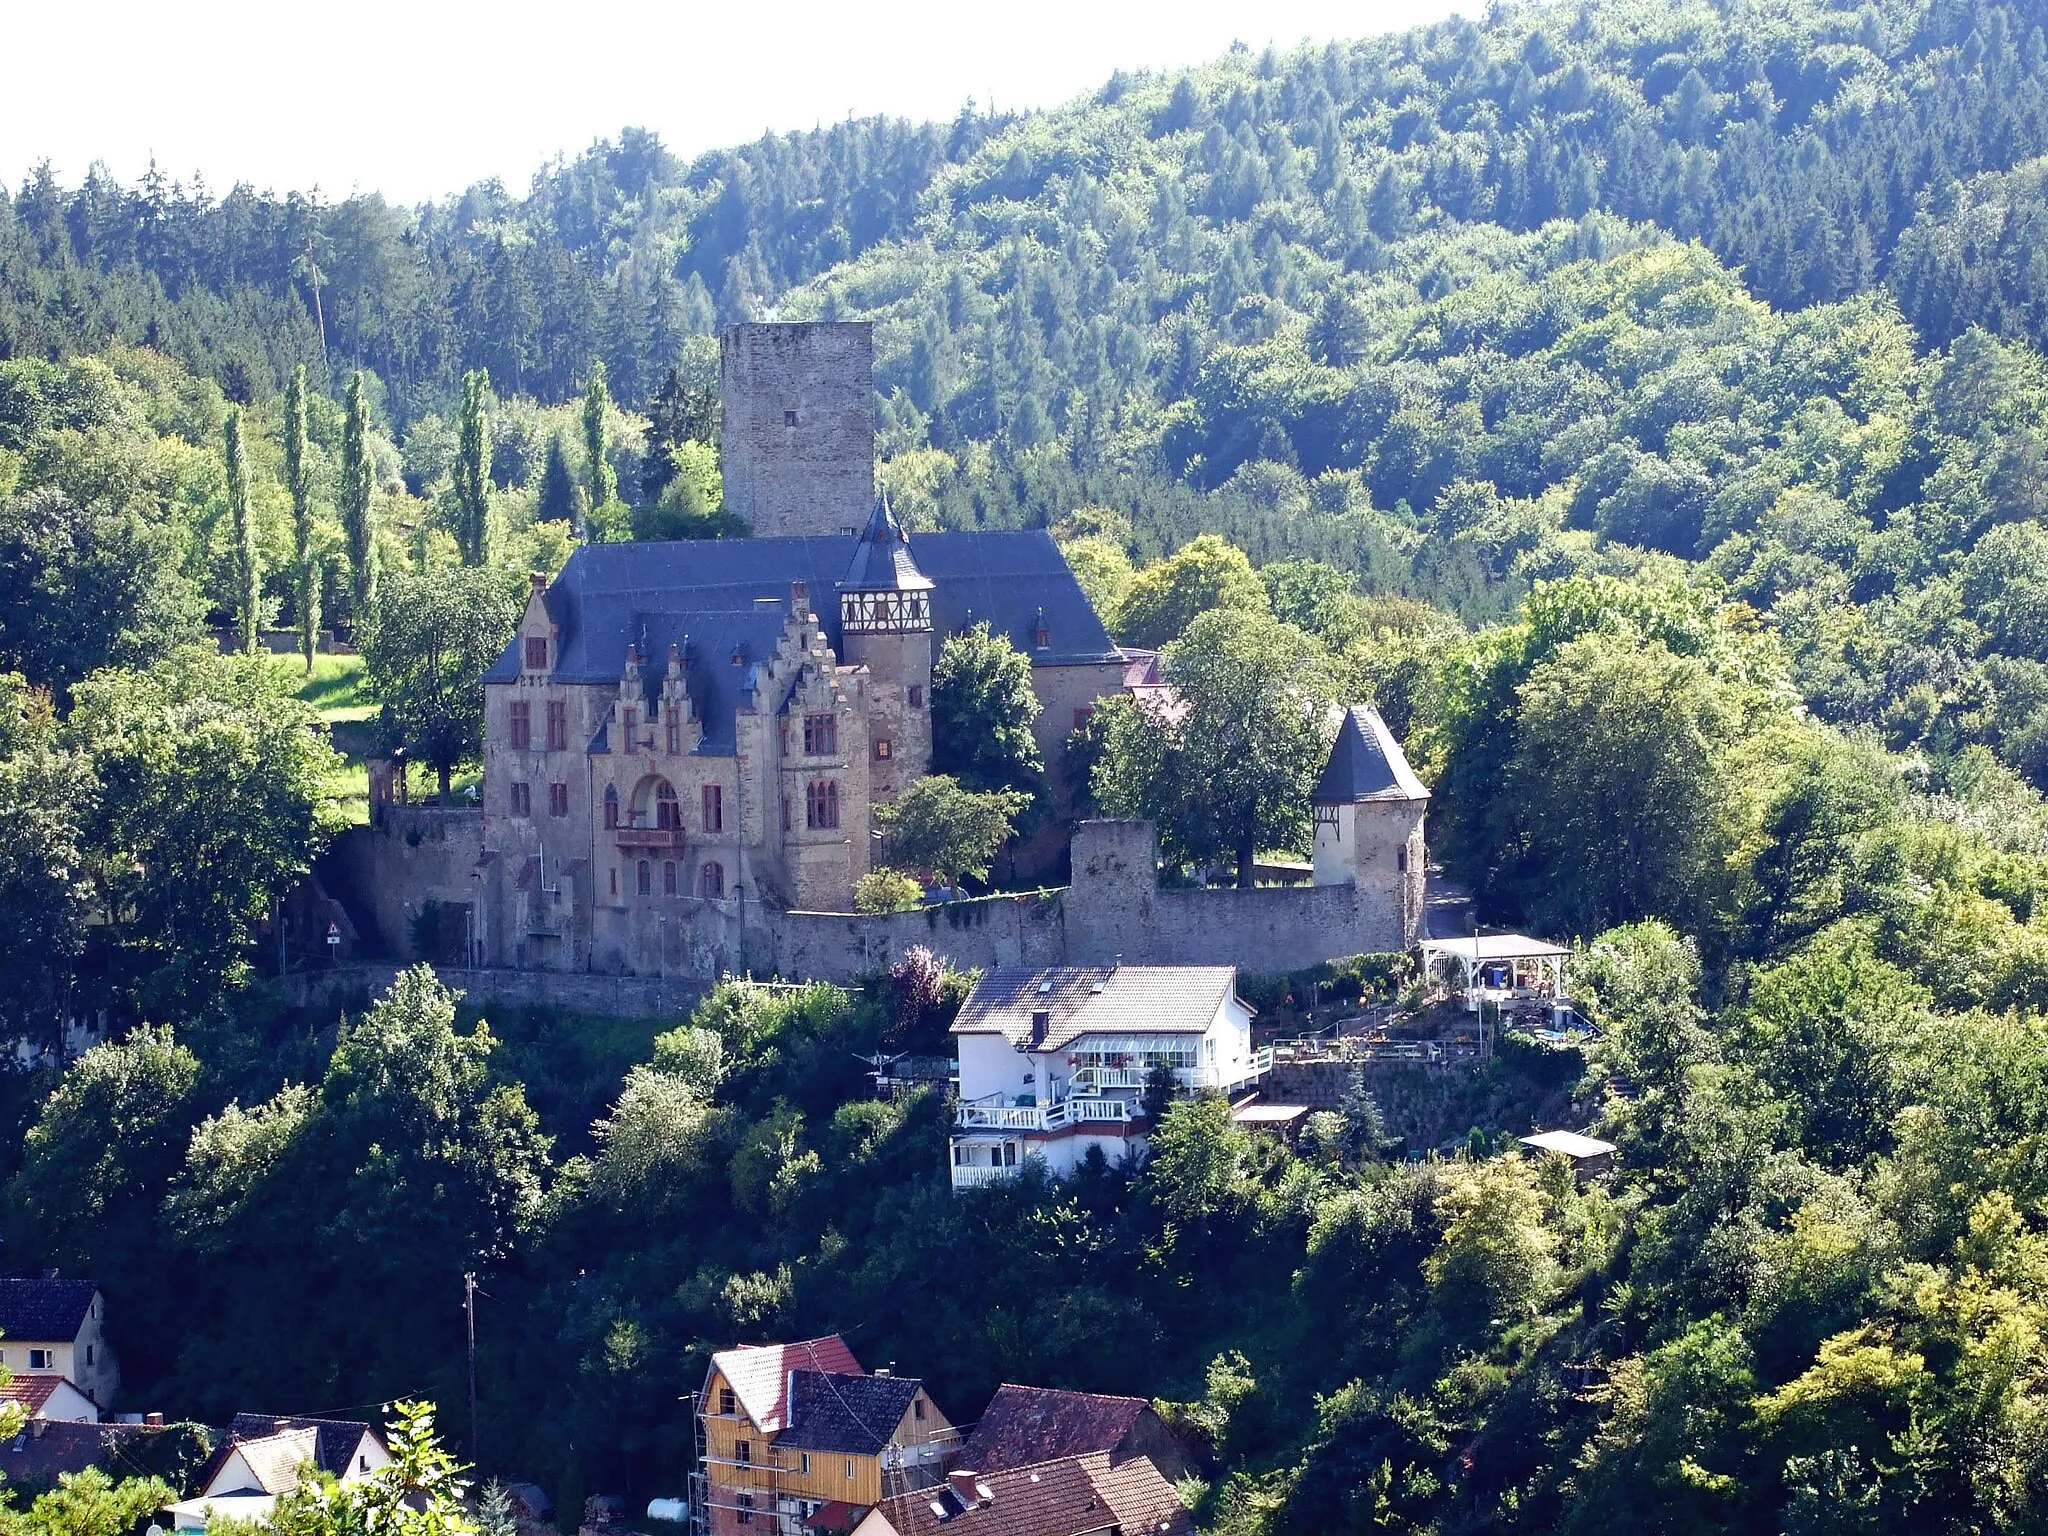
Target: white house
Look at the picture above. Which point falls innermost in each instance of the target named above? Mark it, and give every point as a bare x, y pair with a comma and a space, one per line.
57, 1326
1055, 1062
265, 1456
46, 1395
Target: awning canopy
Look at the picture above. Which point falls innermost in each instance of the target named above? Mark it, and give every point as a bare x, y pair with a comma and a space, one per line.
1568, 1144
1494, 946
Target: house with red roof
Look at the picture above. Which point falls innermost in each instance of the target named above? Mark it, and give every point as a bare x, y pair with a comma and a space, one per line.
1023, 1426
800, 1437
47, 1395
1073, 1496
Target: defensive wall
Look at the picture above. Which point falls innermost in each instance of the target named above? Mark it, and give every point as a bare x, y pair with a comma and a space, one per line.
420, 877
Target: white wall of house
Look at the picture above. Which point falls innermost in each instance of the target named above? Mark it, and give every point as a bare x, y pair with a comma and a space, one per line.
85, 1360
988, 1064
69, 1405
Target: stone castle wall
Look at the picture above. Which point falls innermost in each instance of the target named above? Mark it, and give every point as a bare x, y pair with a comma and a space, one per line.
797, 425
415, 855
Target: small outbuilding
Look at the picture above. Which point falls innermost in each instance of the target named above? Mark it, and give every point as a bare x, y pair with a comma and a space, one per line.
1588, 1155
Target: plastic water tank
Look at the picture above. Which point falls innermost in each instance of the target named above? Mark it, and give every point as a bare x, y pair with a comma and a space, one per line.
677, 1510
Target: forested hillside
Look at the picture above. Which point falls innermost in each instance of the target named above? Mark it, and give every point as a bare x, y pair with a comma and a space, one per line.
1644, 405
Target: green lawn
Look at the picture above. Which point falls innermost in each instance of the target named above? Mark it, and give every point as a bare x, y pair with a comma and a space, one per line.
335, 687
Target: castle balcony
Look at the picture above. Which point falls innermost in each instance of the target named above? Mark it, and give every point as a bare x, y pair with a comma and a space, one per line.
650, 839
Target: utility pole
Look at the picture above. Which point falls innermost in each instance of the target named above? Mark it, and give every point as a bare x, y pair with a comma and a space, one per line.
313, 263
469, 1311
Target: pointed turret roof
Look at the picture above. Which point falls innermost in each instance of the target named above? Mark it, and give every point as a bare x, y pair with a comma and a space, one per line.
1366, 763
882, 561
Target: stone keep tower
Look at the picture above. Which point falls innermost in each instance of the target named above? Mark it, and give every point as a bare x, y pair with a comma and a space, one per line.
885, 624
797, 425
1369, 811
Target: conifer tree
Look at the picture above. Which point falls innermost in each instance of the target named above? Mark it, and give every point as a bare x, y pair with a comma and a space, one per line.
600, 480
472, 472
557, 501
355, 502
248, 571
298, 475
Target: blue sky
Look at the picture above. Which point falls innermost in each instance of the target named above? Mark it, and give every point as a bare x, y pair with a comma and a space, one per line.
420, 99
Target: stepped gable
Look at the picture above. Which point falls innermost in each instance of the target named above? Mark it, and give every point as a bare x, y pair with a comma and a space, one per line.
759, 1374
853, 1415
1023, 1425
1366, 763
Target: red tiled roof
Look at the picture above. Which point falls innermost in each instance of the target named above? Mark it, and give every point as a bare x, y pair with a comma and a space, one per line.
31, 1389
759, 1374
1074, 1496
1023, 1425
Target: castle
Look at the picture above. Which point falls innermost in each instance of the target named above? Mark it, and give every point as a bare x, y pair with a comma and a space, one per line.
686, 742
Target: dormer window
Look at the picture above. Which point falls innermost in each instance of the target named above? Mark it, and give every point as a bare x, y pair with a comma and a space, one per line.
536, 653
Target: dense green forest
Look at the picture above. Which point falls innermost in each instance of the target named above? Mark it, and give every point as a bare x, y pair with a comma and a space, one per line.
1646, 406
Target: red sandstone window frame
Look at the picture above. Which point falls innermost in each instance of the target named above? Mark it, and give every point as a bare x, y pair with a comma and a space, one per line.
643, 880
674, 720
558, 799
520, 724
558, 726
714, 807
629, 722
821, 735
821, 805
520, 800
668, 877
668, 810
536, 653
611, 806
712, 879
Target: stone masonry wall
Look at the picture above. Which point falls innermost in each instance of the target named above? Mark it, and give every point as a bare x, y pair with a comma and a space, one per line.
797, 425
1113, 908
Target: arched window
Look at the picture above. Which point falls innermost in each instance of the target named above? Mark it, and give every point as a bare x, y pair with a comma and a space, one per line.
714, 881
646, 879
611, 805
668, 877
668, 811
821, 804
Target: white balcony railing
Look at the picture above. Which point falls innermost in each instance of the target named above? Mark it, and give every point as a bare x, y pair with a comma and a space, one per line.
1089, 1080
992, 1115
968, 1176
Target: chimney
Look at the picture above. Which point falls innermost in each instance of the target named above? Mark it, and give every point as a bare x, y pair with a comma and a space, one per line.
536, 582
153, 1420
964, 1487
800, 596
1041, 637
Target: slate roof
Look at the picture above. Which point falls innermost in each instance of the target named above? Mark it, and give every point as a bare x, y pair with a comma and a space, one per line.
1023, 1425
1366, 763
853, 1415
1073, 1496
1131, 1000
881, 556
723, 602
41, 1311
337, 1439
759, 1374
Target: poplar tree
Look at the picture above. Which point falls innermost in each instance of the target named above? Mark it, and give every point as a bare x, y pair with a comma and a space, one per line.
298, 475
601, 482
355, 502
248, 572
472, 472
